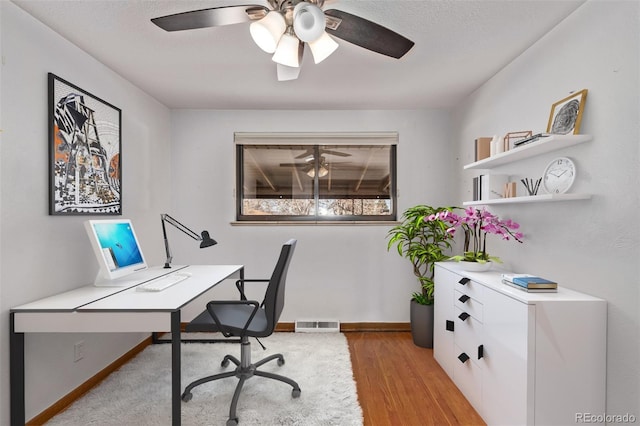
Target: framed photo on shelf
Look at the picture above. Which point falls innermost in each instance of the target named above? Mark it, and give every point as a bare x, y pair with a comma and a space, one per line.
566, 114
85, 144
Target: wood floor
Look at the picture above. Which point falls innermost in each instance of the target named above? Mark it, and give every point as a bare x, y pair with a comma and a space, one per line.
401, 384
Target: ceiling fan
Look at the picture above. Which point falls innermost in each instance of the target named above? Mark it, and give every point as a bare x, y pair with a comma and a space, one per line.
287, 25
310, 153
308, 166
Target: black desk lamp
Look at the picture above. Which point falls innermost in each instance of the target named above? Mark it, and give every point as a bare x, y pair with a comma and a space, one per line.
204, 238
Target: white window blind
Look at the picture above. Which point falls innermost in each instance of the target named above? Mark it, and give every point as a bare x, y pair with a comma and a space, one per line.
313, 138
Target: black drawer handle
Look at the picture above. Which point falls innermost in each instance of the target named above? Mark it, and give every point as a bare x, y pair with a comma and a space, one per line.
480, 351
450, 325
463, 316
464, 298
463, 357
464, 281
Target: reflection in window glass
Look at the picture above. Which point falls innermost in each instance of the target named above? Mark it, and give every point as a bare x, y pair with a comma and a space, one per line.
316, 182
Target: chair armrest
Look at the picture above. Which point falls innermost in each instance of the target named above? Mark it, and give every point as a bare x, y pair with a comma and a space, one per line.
225, 330
240, 285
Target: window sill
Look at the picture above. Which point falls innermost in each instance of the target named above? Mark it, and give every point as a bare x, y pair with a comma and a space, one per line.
315, 223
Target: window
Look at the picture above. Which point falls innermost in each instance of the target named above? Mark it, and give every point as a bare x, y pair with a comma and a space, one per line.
316, 177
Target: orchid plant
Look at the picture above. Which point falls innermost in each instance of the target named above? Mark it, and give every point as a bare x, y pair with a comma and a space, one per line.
477, 224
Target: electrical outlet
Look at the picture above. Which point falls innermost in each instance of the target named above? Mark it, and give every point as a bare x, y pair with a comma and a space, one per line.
78, 351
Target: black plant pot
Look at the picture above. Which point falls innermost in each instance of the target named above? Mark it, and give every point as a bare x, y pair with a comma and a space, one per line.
421, 317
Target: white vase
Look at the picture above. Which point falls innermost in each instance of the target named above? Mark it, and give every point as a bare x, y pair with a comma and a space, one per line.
475, 266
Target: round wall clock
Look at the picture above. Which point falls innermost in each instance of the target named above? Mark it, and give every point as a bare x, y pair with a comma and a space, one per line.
559, 176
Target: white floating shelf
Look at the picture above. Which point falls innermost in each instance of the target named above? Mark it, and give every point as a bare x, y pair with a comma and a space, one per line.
542, 146
530, 199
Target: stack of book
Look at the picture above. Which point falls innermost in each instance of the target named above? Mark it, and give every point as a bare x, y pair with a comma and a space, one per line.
488, 187
530, 283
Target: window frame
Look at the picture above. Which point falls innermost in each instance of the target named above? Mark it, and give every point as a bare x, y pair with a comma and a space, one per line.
315, 140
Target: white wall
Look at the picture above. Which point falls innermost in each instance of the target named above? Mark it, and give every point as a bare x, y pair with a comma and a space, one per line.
42, 254
591, 246
338, 272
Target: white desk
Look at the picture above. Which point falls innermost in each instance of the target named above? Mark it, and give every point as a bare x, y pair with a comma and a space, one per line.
111, 309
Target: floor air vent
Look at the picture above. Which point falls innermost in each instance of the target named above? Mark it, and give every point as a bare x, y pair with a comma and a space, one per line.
317, 326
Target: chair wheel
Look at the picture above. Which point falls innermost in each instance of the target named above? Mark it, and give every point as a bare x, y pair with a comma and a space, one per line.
232, 422
296, 393
186, 397
280, 362
224, 363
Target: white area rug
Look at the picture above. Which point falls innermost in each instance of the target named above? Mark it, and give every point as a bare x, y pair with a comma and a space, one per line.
139, 393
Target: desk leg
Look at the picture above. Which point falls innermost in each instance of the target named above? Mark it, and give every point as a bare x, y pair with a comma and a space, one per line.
16, 373
176, 385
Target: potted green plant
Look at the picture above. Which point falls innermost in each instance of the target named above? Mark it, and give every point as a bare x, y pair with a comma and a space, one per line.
424, 236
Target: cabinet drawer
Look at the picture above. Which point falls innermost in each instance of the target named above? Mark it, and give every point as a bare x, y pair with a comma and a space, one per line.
468, 304
468, 377
468, 336
470, 288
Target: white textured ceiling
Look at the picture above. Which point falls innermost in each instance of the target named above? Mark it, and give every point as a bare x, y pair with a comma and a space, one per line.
458, 46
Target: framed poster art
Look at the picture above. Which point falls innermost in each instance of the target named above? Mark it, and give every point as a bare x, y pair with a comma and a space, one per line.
566, 114
85, 144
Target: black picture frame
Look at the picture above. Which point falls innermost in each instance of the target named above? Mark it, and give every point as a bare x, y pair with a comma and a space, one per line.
85, 147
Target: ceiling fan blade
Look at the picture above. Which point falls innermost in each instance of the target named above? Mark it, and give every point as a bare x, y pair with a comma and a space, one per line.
214, 17
293, 164
369, 35
305, 154
337, 153
323, 151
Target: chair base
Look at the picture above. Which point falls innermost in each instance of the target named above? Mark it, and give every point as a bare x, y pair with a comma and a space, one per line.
244, 370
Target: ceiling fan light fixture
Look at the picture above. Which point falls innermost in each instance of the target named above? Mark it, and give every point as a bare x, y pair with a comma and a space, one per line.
266, 32
322, 172
308, 21
288, 51
323, 47
286, 73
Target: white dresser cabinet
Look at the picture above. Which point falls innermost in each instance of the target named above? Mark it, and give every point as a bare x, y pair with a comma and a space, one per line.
520, 358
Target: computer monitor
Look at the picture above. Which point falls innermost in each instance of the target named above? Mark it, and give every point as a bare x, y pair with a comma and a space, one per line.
116, 248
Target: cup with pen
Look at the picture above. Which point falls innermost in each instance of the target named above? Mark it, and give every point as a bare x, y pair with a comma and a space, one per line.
531, 185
